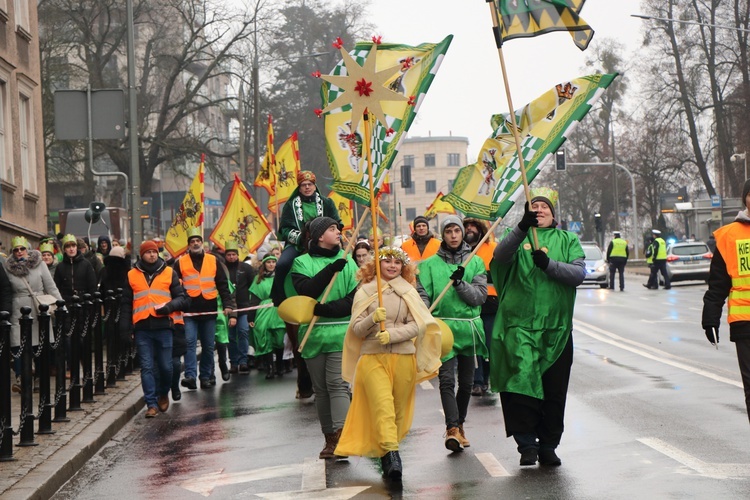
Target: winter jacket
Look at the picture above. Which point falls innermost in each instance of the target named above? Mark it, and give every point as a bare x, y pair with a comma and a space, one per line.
292, 223
115, 273
6, 291
75, 276
200, 303
241, 275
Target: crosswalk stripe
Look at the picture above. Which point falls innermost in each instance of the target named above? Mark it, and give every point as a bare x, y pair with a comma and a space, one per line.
494, 468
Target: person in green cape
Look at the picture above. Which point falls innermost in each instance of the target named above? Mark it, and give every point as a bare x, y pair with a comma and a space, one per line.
532, 344
268, 327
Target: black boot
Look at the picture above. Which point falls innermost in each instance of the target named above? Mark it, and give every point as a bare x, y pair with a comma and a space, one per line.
392, 467
268, 362
221, 348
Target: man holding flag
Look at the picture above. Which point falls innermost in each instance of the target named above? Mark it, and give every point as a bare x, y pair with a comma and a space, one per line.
532, 343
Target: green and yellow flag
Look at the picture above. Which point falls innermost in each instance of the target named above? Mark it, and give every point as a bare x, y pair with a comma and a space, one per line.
189, 215
487, 189
344, 146
527, 18
439, 206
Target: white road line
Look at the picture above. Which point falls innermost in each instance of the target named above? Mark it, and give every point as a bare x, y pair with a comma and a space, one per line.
494, 468
205, 484
313, 474
643, 350
426, 385
716, 471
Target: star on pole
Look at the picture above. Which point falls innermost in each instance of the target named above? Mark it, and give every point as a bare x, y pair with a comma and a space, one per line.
363, 87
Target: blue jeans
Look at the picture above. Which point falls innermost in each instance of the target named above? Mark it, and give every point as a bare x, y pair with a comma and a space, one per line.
154, 353
203, 328
239, 341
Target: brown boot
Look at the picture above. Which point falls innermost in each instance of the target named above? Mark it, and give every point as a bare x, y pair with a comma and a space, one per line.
331, 440
451, 439
336, 437
462, 437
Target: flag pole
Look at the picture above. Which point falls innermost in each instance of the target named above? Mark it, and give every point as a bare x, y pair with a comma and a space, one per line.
514, 126
314, 320
373, 210
466, 262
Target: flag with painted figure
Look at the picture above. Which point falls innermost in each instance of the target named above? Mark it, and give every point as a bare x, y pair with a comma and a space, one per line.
439, 206
287, 167
345, 207
266, 177
488, 188
241, 222
344, 147
528, 18
189, 215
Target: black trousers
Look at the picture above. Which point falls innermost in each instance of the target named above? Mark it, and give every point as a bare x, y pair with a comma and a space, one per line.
617, 264
456, 403
542, 418
743, 358
658, 266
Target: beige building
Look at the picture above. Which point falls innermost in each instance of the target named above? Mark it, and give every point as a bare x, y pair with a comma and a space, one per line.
434, 162
22, 177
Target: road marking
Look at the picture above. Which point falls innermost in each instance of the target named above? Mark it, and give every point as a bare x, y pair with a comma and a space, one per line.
327, 493
665, 321
494, 468
314, 474
426, 385
643, 350
715, 471
204, 485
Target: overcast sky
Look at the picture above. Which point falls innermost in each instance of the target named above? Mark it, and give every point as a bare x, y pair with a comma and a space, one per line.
468, 88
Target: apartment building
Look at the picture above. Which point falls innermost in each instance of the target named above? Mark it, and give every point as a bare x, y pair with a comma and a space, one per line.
23, 207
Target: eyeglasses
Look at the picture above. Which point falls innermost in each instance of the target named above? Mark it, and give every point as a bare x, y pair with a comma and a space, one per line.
19, 249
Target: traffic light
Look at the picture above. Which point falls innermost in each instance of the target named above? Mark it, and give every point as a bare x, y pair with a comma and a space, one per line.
560, 160
598, 223
406, 176
94, 212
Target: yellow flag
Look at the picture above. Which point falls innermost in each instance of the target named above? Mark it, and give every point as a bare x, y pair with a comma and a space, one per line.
241, 222
345, 207
267, 176
438, 206
190, 214
287, 167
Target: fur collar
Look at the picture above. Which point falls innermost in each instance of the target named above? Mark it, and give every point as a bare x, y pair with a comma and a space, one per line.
21, 268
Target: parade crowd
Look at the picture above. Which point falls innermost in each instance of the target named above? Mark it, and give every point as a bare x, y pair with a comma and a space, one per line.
476, 314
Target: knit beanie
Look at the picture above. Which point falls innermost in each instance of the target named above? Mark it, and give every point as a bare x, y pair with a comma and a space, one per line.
420, 219
148, 245
450, 220
318, 226
117, 252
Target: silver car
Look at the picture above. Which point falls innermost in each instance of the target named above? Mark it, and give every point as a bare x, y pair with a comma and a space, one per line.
688, 260
597, 269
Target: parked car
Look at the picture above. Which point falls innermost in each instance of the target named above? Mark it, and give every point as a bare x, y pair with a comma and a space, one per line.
597, 269
688, 260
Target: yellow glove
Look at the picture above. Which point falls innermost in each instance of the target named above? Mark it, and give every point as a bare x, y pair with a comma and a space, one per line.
384, 337
378, 315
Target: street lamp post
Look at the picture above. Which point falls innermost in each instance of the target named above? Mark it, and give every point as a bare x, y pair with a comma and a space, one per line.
740, 156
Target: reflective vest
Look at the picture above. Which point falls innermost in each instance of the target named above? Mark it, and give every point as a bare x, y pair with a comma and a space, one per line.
661, 254
650, 252
619, 248
146, 299
733, 242
412, 250
196, 284
485, 253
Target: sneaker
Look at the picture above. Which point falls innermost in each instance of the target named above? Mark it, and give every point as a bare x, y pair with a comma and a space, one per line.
529, 456
476, 390
189, 383
176, 394
152, 412
206, 383
392, 467
548, 457
452, 441
462, 437
163, 403
16, 386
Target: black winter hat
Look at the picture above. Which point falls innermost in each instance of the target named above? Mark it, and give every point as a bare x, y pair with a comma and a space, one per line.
318, 226
420, 219
745, 191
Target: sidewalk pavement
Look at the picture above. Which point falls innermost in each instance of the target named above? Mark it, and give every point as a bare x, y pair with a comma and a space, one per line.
39, 471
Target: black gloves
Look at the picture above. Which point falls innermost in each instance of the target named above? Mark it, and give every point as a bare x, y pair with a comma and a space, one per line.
163, 311
458, 275
540, 259
710, 332
528, 220
337, 265
321, 309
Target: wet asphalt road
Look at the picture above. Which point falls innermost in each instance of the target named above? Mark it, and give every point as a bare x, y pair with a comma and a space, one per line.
654, 411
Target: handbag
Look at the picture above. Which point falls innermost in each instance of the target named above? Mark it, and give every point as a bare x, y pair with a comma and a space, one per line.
42, 298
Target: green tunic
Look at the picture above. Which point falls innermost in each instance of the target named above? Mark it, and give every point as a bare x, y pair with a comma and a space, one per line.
222, 323
269, 329
535, 316
463, 320
328, 333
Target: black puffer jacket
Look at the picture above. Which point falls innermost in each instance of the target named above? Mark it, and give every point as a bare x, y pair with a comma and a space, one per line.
114, 274
75, 276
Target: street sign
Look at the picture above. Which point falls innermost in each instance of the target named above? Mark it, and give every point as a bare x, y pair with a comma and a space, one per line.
210, 202
715, 200
574, 226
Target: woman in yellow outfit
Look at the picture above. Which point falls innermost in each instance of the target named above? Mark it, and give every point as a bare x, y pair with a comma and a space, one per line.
385, 366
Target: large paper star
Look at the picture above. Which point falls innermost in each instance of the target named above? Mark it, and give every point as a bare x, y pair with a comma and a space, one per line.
363, 87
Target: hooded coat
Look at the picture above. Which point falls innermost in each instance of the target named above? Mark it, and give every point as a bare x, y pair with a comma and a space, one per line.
75, 276
35, 271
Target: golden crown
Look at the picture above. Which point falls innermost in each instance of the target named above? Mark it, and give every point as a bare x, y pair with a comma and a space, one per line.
393, 253
545, 192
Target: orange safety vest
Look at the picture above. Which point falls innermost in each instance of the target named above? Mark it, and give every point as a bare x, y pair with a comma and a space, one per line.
147, 298
733, 242
196, 284
485, 253
412, 250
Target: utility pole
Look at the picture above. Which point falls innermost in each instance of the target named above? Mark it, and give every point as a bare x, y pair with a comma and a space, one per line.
256, 106
135, 167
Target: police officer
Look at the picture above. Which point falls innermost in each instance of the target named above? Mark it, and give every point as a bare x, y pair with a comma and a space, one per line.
659, 254
617, 256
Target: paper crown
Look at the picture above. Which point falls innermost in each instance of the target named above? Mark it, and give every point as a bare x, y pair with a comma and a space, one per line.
19, 241
194, 232
69, 238
231, 246
47, 247
545, 192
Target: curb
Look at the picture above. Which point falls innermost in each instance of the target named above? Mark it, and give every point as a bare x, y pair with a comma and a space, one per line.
44, 481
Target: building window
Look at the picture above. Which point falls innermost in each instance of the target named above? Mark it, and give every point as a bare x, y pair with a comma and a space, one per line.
454, 159
429, 160
450, 185
22, 15
26, 136
410, 189
4, 10
430, 186
411, 214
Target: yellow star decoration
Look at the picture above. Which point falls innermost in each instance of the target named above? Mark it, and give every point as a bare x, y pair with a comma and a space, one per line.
363, 87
